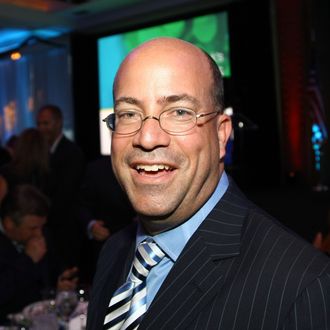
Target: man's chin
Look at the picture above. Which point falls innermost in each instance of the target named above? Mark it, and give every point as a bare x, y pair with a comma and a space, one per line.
151, 210
152, 213
158, 224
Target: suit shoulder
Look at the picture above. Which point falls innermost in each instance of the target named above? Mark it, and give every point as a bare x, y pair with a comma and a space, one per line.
119, 240
68, 150
67, 144
280, 248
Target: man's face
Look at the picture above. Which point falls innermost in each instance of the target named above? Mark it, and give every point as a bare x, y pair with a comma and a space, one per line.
30, 227
49, 126
168, 177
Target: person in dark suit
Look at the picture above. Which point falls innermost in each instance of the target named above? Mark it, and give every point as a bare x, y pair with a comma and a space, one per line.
103, 210
67, 165
227, 264
7, 151
26, 268
5, 156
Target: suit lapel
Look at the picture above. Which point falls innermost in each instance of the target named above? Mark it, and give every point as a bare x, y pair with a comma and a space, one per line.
199, 273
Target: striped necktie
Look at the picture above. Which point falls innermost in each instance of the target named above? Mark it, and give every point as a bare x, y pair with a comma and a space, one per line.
128, 304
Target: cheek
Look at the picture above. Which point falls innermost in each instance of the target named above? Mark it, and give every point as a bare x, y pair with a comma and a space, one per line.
22, 236
119, 150
47, 131
200, 149
204, 160
119, 144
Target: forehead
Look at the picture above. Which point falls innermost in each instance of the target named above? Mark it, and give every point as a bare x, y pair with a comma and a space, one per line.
173, 69
32, 221
45, 115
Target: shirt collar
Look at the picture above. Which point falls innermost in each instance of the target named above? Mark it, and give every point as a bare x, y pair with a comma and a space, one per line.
55, 144
173, 241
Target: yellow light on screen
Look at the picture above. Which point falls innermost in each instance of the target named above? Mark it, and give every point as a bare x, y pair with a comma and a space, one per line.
15, 56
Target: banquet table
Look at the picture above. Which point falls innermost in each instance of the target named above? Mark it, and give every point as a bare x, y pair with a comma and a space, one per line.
49, 315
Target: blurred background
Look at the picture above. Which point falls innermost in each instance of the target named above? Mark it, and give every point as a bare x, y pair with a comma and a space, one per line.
274, 55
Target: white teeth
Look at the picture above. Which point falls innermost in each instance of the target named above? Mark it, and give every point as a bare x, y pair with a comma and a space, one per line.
152, 168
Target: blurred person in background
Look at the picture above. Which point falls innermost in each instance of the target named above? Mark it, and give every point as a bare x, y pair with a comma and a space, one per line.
103, 210
11, 145
322, 238
66, 169
26, 266
30, 163
7, 150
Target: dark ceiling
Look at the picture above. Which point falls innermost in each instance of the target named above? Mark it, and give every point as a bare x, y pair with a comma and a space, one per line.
24, 20
89, 14
21, 19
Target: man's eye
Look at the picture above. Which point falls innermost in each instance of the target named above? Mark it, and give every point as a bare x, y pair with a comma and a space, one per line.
181, 113
127, 115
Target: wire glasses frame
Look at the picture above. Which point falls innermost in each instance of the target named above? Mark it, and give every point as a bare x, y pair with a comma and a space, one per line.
172, 121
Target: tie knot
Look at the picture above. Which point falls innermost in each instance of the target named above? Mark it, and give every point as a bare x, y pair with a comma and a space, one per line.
148, 255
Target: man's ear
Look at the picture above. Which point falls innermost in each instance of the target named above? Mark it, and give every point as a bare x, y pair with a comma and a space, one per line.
8, 224
224, 132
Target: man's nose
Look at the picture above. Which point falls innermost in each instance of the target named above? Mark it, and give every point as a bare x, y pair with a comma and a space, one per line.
151, 135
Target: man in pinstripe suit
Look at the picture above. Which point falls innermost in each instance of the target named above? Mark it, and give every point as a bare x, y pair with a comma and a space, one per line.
228, 265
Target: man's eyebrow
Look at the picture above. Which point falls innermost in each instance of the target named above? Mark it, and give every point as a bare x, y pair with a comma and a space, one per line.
177, 98
162, 100
129, 100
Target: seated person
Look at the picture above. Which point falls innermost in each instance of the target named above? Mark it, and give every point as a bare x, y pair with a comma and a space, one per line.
25, 265
322, 237
103, 210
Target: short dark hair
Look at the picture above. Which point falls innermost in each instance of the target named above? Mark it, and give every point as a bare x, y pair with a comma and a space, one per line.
54, 109
24, 200
217, 91
30, 160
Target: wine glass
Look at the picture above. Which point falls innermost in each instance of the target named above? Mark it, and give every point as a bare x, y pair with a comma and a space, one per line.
49, 296
66, 302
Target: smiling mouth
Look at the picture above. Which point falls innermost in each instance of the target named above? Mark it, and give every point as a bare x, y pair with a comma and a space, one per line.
152, 169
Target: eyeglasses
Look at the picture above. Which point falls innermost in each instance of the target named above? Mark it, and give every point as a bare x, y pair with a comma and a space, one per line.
172, 121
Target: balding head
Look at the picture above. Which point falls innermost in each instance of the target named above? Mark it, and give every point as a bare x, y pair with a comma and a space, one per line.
164, 48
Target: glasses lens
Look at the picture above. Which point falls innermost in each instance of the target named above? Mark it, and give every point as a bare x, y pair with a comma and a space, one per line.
127, 122
177, 120
110, 121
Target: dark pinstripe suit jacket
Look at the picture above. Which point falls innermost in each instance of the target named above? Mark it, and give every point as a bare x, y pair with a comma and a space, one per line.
240, 270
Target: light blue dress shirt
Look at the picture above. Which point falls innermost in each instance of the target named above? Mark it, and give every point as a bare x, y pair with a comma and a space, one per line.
173, 241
